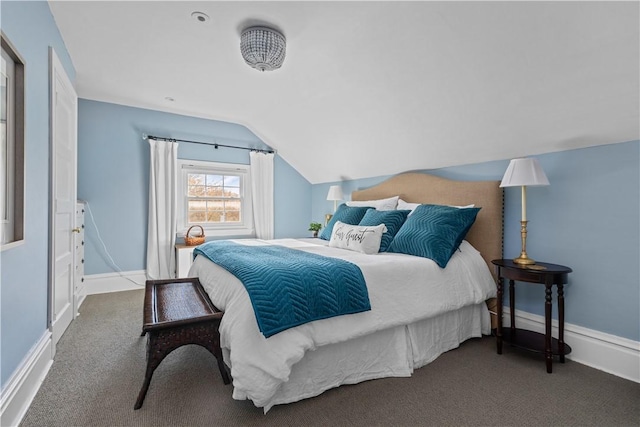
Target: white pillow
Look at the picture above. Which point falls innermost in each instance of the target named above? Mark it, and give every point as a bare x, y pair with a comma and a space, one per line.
402, 205
359, 238
381, 204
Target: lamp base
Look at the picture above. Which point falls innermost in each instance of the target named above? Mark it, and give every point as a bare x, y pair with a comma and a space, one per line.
327, 218
523, 259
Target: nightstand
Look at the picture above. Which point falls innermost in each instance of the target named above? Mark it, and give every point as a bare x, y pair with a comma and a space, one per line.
547, 275
184, 259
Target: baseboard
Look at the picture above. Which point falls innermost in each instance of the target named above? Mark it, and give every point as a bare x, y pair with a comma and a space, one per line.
609, 353
25, 382
114, 282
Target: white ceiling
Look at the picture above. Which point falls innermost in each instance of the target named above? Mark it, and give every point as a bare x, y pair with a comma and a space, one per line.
375, 88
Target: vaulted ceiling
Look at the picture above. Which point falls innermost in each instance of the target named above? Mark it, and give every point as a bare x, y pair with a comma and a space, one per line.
374, 88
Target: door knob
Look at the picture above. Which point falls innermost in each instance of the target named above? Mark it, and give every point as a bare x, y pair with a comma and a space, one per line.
75, 230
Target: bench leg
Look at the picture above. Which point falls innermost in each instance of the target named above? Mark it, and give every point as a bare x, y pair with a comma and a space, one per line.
223, 371
154, 357
221, 367
217, 353
211, 342
145, 387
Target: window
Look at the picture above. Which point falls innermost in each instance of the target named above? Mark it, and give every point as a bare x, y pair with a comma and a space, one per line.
215, 196
11, 145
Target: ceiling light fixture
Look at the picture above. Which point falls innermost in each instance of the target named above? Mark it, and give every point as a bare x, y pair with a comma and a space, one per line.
263, 48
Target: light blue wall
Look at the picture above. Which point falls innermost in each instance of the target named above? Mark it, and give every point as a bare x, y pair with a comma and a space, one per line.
587, 219
292, 201
113, 176
23, 288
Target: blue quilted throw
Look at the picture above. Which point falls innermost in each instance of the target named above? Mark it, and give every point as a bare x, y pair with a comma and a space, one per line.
288, 287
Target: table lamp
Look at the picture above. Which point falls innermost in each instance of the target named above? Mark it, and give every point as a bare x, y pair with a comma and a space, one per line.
525, 172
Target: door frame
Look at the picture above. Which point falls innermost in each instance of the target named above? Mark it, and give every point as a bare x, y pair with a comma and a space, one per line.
57, 70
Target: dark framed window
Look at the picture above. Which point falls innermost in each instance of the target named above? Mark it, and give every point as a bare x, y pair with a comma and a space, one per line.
12, 108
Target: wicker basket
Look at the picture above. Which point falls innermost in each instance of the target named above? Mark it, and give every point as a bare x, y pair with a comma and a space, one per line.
194, 240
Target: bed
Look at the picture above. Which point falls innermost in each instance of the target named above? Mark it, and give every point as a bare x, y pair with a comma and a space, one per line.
409, 325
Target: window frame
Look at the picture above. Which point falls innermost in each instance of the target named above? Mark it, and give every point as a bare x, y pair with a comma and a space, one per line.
244, 228
15, 150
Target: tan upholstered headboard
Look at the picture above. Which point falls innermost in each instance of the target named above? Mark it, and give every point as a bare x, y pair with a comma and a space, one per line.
485, 234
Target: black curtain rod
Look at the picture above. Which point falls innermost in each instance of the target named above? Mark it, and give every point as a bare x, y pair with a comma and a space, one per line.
213, 144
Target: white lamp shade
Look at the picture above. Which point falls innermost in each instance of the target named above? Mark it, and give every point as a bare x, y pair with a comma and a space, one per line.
335, 193
524, 172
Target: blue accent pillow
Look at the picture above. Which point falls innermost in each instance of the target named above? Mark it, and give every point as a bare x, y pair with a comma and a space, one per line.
434, 232
347, 214
392, 219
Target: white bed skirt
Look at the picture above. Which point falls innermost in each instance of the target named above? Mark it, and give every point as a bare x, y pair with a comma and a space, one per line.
393, 352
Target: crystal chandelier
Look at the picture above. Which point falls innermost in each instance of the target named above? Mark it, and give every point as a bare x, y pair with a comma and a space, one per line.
263, 48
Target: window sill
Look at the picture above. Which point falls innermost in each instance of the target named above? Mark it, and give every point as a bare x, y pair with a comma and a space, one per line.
11, 245
224, 233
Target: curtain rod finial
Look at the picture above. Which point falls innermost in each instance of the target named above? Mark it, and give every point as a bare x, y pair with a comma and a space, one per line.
145, 136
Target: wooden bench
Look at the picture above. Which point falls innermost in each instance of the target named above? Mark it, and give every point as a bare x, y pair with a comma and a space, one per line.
178, 312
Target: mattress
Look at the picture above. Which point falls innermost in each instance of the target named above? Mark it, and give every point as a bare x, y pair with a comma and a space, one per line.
404, 290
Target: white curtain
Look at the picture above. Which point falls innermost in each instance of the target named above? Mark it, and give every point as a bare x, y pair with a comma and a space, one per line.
262, 193
161, 237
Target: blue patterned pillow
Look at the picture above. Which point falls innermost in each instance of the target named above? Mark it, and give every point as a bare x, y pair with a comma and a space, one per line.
346, 214
434, 232
392, 219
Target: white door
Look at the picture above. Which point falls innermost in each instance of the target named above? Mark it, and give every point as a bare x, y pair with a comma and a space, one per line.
64, 116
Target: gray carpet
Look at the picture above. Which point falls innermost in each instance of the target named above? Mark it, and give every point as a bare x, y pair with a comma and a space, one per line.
100, 362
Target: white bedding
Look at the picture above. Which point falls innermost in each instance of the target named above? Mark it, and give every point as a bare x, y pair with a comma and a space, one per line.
403, 289
393, 352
